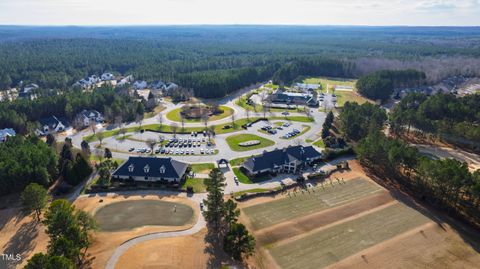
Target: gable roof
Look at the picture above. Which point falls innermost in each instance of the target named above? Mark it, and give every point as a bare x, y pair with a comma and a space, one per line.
90, 113
52, 122
7, 132
150, 167
279, 157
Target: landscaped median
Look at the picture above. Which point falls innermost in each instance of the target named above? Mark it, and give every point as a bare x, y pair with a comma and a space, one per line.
219, 129
174, 115
241, 142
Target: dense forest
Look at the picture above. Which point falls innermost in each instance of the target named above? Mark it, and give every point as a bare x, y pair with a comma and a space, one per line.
26, 160
380, 85
447, 184
455, 119
216, 60
22, 114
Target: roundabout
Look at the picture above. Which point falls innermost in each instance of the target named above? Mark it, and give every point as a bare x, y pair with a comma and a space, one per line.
194, 113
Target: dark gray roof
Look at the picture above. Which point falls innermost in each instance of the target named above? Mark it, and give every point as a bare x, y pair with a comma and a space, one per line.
279, 157
91, 113
53, 121
173, 168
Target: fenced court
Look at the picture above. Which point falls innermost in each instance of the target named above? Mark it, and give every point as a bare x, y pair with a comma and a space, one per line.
304, 202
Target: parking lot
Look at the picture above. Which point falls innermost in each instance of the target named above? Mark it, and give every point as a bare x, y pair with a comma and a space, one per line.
280, 129
327, 100
193, 144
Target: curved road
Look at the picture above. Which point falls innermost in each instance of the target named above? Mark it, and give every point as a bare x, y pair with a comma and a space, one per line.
119, 251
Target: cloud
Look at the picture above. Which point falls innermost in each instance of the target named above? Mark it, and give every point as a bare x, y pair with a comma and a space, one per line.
436, 5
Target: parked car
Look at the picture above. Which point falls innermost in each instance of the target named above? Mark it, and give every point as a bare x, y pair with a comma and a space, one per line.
131, 149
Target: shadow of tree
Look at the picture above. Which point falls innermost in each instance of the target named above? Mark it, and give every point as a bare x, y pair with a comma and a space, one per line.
214, 248
22, 242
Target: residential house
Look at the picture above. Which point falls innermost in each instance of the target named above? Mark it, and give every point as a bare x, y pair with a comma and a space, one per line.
125, 81
107, 77
287, 160
51, 125
151, 169
6, 133
140, 85
86, 117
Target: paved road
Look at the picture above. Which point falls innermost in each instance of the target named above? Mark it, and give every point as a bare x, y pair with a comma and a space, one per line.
120, 250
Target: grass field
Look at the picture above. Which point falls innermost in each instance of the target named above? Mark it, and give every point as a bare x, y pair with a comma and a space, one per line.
346, 96
333, 244
234, 140
202, 167
128, 215
267, 214
174, 115
196, 183
319, 143
330, 81
245, 179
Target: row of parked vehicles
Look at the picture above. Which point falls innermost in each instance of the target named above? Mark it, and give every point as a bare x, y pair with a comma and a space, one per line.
184, 143
271, 130
291, 134
173, 151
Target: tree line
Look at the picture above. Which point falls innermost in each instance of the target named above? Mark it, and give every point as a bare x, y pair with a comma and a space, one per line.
22, 114
381, 84
455, 119
447, 183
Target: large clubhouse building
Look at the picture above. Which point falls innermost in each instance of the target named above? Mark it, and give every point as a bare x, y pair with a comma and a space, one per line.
151, 169
287, 160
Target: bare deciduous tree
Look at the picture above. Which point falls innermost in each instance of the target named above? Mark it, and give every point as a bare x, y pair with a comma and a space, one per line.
100, 136
174, 128
160, 121
151, 144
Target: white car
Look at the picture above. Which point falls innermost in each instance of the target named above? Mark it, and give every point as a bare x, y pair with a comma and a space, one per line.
202, 151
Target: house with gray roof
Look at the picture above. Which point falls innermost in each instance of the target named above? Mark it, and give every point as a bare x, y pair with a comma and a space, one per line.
6, 133
286, 160
87, 117
51, 125
151, 169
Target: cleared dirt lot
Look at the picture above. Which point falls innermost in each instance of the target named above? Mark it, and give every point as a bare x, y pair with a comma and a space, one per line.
427, 246
348, 226
333, 244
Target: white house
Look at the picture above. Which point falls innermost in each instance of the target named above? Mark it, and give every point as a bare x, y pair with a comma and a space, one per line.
107, 76
86, 117
140, 85
51, 125
6, 133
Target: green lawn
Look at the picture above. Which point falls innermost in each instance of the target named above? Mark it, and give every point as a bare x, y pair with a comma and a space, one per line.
319, 143
245, 179
234, 140
238, 161
197, 184
202, 168
174, 115
330, 81
155, 111
346, 96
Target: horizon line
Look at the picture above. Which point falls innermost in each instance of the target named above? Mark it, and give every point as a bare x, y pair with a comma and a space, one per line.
238, 24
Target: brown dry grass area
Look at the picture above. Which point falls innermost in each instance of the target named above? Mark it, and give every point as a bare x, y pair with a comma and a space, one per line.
175, 252
20, 234
289, 229
428, 246
104, 243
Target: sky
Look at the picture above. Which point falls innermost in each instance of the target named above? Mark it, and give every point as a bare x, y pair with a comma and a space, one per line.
290, 12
